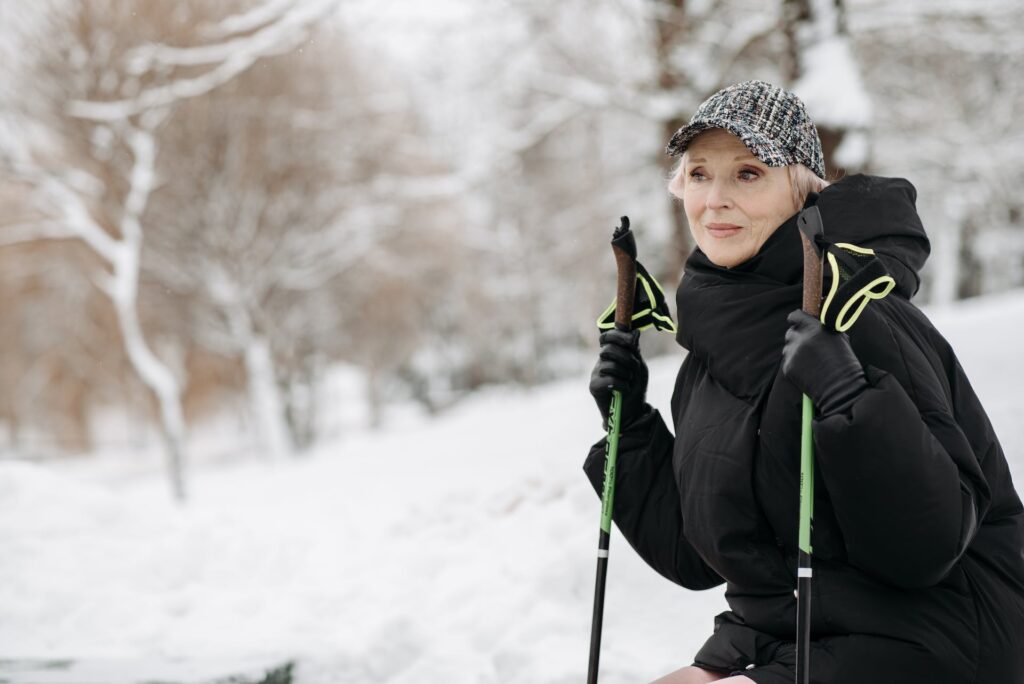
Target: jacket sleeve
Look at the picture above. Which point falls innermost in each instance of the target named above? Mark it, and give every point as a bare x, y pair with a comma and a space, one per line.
646, 502
904, 481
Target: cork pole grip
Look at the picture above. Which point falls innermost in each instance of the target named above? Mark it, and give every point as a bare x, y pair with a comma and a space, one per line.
626, 290
812, 277
624, 247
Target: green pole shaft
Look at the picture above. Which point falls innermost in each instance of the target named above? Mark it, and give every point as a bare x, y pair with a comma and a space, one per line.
611, 455
806, 476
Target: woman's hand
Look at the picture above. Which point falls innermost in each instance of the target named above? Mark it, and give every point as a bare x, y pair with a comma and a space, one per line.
821, 363
620, 367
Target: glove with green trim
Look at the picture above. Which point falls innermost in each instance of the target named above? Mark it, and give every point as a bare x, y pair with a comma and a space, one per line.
620, 367
821, 363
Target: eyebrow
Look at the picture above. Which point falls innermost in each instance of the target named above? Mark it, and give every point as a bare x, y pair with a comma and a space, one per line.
701, 160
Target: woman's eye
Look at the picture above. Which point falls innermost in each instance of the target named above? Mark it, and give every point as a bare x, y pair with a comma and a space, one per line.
696, 175
749, 174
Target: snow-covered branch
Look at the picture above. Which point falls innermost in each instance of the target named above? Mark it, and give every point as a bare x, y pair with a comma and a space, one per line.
309, 264
606, 96
542, 124
231, 58
33, 231
244, 22
73, 212
740, 36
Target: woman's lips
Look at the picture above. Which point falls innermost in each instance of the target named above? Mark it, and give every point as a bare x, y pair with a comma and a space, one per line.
723, 230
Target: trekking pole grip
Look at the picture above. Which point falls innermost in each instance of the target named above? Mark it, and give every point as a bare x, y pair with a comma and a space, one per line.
810, 226
812, 276
624, 246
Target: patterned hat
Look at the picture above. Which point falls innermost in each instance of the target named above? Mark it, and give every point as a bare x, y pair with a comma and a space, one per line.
770, 121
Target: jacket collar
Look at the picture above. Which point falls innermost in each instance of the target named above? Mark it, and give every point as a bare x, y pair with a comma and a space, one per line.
734, 319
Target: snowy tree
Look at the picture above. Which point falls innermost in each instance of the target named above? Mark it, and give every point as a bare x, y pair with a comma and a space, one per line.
267, 217
106, 83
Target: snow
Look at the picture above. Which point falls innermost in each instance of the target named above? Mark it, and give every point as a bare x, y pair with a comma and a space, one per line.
460, 549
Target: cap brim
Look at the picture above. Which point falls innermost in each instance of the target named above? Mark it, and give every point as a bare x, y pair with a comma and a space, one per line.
748, 136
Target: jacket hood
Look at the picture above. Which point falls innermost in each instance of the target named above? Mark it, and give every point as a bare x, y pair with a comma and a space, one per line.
879, 213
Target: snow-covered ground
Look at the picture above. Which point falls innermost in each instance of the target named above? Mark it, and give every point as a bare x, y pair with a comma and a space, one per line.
457, 550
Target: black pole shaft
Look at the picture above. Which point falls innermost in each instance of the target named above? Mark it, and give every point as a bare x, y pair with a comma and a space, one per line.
803, 619
595, 625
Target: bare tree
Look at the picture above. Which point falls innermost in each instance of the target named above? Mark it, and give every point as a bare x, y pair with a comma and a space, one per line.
263, 224
112, 81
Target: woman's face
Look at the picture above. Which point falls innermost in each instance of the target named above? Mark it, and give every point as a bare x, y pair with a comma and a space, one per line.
733, 201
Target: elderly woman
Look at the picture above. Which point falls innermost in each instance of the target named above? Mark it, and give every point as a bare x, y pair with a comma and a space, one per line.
918, 536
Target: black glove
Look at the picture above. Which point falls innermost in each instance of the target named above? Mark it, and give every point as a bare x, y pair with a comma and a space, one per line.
821, 363
620, 367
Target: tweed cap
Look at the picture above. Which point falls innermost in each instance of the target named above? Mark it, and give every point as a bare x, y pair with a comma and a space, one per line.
770, 121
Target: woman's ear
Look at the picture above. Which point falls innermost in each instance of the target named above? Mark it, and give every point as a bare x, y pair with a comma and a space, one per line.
677, 180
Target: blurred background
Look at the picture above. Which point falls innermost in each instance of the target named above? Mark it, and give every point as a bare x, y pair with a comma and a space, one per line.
268, 263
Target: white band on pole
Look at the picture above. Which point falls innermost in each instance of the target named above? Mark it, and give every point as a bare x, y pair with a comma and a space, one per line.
602, 553
804, 572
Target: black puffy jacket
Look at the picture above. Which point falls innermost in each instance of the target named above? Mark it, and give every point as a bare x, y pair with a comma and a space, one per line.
918, 537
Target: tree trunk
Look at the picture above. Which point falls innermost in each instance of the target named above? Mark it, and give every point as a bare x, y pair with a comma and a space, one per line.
165, 387
123, 288
682, 240
265, 395
667, 39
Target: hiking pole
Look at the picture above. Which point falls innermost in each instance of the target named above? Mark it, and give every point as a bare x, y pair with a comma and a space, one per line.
810, 226
624, 247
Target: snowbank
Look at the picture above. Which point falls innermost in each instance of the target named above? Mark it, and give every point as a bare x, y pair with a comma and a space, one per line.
459, 550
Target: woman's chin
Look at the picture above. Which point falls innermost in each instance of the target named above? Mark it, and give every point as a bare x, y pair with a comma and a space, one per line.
726, 258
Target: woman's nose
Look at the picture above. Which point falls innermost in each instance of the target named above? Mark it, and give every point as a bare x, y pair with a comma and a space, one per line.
719, 195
